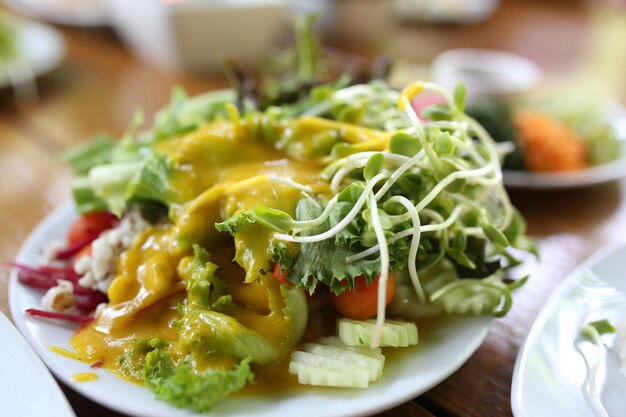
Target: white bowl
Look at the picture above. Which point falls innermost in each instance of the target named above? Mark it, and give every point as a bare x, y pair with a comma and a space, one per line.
197, 35
486, 72
446, 11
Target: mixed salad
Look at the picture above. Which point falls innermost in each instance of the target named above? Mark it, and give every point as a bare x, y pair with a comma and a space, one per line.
230, 245
280, 233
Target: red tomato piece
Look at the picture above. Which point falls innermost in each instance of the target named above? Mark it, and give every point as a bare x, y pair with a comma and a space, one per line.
89, 226
360, 303
280, 274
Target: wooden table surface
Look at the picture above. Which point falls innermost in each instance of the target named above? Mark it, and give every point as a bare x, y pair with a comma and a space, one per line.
100, 84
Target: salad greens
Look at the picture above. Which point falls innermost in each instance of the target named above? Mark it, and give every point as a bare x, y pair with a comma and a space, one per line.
182, 385
437, 188
290, 73
307, 179
396, 192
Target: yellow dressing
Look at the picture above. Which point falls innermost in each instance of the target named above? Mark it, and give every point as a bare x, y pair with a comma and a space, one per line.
72, 355
84, 377
218, 170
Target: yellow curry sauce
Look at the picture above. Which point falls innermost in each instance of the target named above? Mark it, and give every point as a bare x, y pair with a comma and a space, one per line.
218, 170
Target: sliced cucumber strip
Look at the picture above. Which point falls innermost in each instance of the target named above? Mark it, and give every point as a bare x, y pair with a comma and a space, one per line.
332, 363
410, 327
376, 353
360, 374
373, 365
313, 375
361, 333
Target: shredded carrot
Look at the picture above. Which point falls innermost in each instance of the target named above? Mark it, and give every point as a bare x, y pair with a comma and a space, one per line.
548, 144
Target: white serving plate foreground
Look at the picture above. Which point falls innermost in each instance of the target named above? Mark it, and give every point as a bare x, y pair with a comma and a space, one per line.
23, 377
549, 371
439, 353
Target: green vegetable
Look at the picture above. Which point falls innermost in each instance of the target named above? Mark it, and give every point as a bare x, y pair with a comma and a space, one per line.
496, 118
372, 363
110, 175
324, 261
185, 387
205, 332
203, 288
361, 333
181, 384
143, 179
404, 144
595, 329
96, 152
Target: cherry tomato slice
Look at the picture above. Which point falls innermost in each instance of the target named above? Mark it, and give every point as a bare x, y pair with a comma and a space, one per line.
89, 226
360, 303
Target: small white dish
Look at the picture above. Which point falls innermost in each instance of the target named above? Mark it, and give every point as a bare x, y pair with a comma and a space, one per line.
581, 178
441, 351
84, 13
486, 73
549, 371
26, 386
40, 50
446, 11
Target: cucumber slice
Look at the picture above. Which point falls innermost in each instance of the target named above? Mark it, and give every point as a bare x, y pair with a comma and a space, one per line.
361, 375
373, 365
411, 330
313, 375
376, 353
361, 333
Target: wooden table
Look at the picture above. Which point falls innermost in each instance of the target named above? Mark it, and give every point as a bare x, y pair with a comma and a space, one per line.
100, 84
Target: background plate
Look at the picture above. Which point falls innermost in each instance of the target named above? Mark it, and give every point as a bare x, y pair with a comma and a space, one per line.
581, 178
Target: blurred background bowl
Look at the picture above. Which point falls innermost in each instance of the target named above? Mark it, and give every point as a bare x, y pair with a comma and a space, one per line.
197, 35
486, 73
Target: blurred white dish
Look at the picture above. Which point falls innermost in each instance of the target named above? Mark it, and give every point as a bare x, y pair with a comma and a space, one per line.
581, 178
26, 386
486, 72
40, 49
198, 34
442, 350
65, 12
549, 371
446, 11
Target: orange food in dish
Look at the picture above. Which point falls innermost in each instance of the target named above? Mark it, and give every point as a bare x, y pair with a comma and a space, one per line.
549, 145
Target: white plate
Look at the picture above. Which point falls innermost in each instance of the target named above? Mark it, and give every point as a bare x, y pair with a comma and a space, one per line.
26, 386
40, 50
84, 13
437, 356
549, 371
581, 178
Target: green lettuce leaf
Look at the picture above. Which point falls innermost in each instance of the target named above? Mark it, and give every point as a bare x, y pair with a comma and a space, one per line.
203, 288
120, 183
324, 261
96, 152
184, 387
